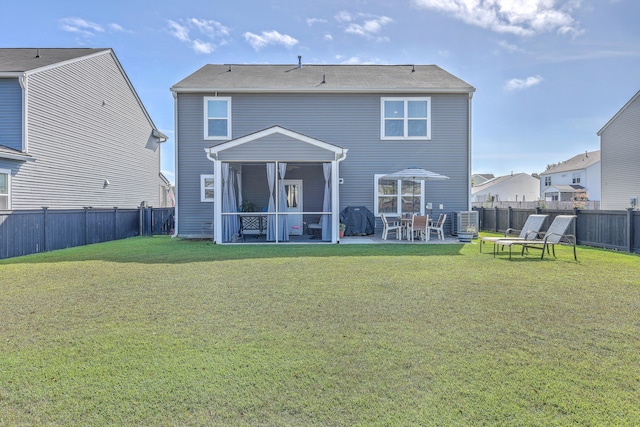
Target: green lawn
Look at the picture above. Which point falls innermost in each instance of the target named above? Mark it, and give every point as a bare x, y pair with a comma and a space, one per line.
160, 331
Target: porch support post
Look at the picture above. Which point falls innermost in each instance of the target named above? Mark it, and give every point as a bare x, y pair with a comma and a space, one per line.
217, 202
335, 205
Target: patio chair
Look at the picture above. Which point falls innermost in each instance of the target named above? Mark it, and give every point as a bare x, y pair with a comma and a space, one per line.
530, 230
419, 227
390, 227
438, 226
555, 235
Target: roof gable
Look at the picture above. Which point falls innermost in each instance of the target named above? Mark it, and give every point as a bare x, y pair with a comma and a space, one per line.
631, 101
322, 78
277, 133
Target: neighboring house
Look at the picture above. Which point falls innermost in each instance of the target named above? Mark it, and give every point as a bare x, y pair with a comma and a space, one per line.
519, 187
74, 133
479, 178
573, 179
620, 148
303, 142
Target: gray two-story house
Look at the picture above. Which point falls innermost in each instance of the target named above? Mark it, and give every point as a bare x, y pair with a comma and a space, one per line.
300, 143
74, 133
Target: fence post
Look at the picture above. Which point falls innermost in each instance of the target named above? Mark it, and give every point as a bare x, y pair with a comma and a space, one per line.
630, 231
496, 212
115, 222
86, 225
510, 218
44, 229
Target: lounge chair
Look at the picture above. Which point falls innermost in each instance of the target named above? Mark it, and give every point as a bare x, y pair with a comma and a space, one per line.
555, 235
530, 230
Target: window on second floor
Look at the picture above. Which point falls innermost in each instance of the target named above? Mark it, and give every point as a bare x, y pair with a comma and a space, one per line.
547, 181
575, 178
405, 118
206, 188
217, 117
5, 197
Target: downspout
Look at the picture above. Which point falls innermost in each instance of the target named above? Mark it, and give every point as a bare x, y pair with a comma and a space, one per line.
175, 161
469, 158
335, 179
25, 99
217, 196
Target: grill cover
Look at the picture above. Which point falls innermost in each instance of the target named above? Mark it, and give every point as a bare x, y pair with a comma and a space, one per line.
359, 220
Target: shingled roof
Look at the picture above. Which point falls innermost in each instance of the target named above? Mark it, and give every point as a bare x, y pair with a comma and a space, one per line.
323, 78
17, 60
581, 161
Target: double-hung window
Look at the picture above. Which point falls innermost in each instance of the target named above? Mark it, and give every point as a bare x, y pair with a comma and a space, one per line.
575, 179
5, 200
398, 197
217, 117
405, 118
206, 188
547, 181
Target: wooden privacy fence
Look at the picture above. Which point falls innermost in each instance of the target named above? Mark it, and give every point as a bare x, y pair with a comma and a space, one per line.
24, 232
619, 230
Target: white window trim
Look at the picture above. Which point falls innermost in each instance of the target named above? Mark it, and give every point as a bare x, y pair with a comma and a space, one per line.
399, 212
8, 195
206, 117
406, 118
203, 197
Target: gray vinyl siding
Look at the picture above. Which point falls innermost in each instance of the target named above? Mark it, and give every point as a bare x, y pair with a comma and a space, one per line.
10, 113
351, 121
620, 157
85, 126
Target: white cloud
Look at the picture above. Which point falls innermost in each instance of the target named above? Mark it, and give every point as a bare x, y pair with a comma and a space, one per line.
363, 25
519, 84
312, 21
509, 47
80, 26
520, 17
118, 28
258, 41
328, 37
356, 60
209, 34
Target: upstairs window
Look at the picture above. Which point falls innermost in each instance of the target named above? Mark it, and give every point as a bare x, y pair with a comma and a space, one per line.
575, 179
4, 190
217, 117
406, 118
547, 181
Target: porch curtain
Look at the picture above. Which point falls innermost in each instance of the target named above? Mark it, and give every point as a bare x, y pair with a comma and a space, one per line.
283, 223
229, 222
326, 203
239, 186
271, 219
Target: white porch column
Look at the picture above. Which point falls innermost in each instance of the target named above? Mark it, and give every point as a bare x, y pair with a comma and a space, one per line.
217, 202
335, 202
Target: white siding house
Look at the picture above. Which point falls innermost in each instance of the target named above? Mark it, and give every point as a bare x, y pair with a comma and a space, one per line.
519, 187
620, 148
577, 177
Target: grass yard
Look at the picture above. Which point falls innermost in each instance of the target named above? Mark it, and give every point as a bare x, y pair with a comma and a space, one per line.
160, 331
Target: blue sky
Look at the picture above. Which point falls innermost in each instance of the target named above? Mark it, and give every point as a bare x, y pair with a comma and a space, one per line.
548, 73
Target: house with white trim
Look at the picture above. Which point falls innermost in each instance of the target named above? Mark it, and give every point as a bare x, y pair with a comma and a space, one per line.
573, 179
299, 143
620, 152
74, 133
519, 187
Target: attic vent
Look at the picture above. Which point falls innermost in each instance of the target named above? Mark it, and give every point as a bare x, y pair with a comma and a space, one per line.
37, 53
299, 61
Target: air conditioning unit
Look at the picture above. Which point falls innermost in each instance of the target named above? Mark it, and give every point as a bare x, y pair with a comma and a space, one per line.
462, 220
